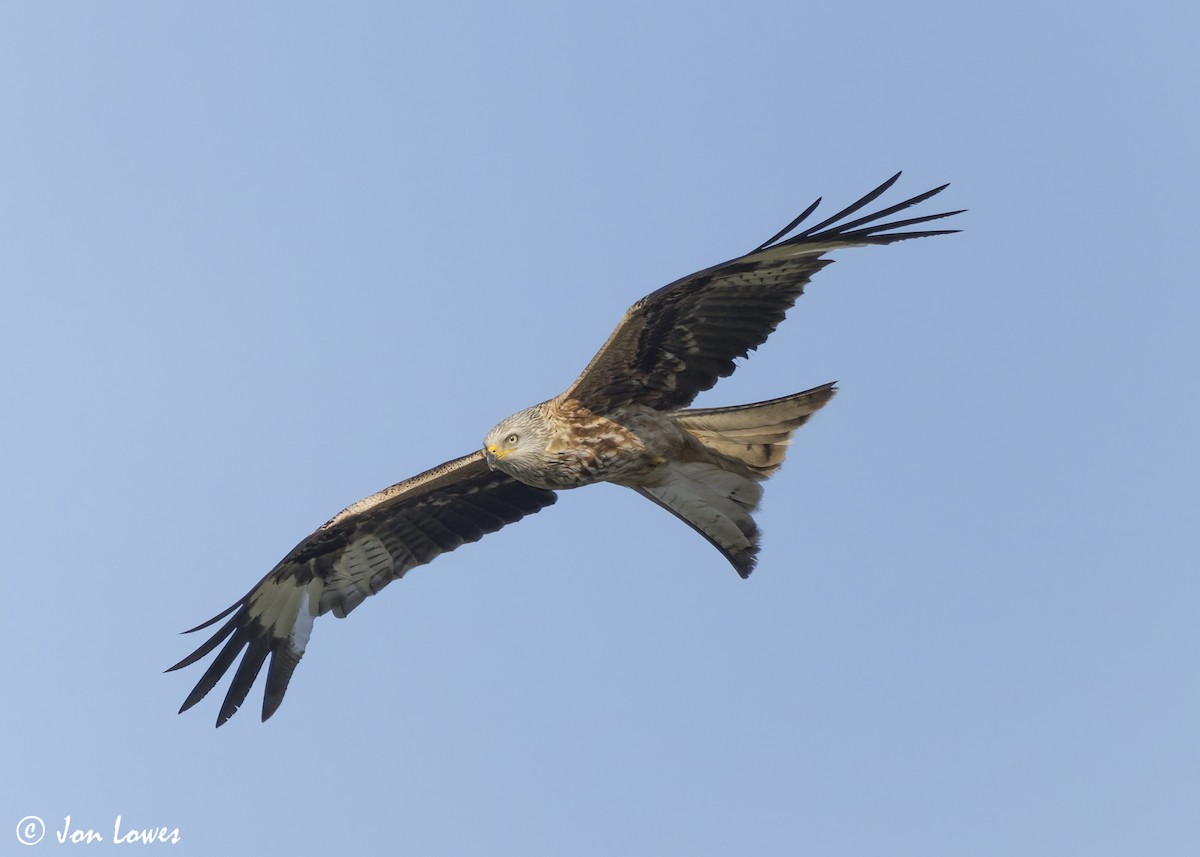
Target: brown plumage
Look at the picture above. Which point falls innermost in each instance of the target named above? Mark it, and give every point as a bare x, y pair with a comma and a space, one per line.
624, 420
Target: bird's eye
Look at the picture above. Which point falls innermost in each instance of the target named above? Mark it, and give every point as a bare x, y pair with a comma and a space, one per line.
511, 439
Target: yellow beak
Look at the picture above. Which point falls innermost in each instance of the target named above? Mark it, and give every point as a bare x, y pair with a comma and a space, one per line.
492, 454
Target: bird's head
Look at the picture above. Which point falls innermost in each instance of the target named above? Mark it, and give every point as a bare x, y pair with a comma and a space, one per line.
516, 444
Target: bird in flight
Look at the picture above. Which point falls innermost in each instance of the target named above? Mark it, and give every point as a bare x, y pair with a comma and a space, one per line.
624, 420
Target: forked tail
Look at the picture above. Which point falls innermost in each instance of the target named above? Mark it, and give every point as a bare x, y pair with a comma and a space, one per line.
717, 492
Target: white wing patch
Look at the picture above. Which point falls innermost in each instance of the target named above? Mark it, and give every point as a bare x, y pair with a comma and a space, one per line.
303, 627
274, 604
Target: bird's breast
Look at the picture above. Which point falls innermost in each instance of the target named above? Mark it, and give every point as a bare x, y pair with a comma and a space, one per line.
623, 447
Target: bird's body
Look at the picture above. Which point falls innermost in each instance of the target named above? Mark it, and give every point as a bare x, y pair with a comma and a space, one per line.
704, 466
582, 447
625, 420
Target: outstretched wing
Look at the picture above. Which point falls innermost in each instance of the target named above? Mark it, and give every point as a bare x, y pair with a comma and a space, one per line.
356, 554
676, 342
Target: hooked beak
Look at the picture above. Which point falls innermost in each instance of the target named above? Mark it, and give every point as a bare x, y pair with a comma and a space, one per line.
491, 456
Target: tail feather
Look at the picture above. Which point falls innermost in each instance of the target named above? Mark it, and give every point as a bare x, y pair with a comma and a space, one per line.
715, 503
755, 436
717, 492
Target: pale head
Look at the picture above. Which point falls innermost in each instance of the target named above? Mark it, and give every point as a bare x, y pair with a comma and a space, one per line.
517, 445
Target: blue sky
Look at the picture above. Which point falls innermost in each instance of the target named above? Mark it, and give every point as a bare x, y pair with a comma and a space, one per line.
260, 261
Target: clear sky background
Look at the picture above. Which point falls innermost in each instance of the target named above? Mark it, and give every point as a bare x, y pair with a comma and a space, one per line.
260, 260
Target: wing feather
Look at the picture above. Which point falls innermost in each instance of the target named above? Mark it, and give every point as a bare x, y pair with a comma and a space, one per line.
350, 558
678, 341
